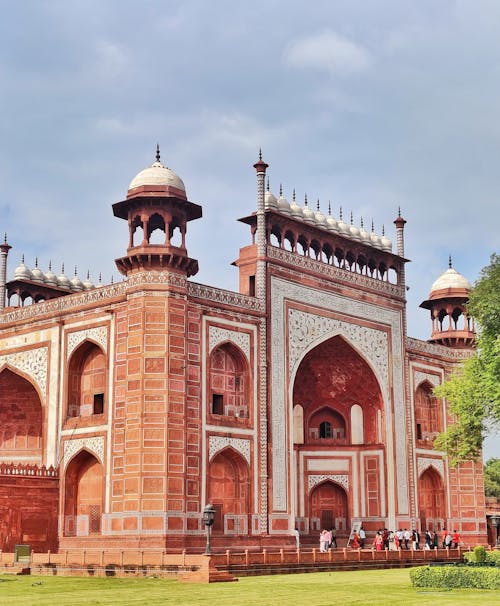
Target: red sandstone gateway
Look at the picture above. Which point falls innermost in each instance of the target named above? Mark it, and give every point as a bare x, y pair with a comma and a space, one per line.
298, 402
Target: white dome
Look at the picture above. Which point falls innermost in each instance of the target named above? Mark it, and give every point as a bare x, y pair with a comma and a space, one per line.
343, 227
282, 203
295, 209
270, 200
451, 279
320, 217
22, 272
386, 243
87, 284
50, 277
37, 274
159, 175
307, 213
63, 280
364, 235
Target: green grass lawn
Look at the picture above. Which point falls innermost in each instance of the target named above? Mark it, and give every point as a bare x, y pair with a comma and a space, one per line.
317, 589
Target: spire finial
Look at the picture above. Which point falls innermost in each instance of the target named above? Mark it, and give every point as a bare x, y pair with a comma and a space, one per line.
36, 261
399, 211
352, 219
329, 207
281, 189
112, 279
340, 214
22, 259
62, 268
362, 223
5, 238
88, 274
305, 199
157, 152
260, 154
383, 230
75, 271
293, 194
268, 184
450, 265
373, 226
317, 205
100, 278
50, 265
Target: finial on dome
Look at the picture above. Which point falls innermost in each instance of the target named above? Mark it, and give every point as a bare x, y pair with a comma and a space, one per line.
450, 265
62, 268
293, 194
100, 278
340, 214
383, 230
317, 205
373, 226
329, 207
399, 211
267, 184
5, 238
260, 154
36, 261
281, 189
362, 222
305, 199
75, 270
157, 152
88, 274
22, 258
112, 279
352, 219
50, 265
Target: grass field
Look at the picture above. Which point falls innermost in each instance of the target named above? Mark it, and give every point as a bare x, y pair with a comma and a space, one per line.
316, 589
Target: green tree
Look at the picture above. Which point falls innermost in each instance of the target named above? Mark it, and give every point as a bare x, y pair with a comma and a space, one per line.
492, 478
473, 391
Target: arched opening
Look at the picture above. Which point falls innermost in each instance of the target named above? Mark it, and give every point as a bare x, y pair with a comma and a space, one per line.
298, 424
21, 419
431, 500
229, 384
330, 378
229, 492
156, 230
328, 503
83, 496
86, 381
176, 232
428, 416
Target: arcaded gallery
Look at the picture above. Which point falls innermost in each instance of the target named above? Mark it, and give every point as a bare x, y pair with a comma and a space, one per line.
297, 403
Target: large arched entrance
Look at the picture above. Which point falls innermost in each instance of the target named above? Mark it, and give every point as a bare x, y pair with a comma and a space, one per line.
328, 504
431, 501
83, 495
229, 492
20, 419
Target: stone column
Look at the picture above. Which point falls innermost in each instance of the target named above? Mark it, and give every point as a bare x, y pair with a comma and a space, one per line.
4, 251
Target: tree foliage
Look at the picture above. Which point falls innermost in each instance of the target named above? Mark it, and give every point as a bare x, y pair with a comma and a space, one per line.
492, 478
473, 391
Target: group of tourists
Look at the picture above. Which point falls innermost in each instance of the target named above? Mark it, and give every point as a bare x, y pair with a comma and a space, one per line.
327, 539
394, 540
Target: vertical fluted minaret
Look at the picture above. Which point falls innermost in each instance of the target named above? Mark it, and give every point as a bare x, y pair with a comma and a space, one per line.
260, 279
4, 251
400, 243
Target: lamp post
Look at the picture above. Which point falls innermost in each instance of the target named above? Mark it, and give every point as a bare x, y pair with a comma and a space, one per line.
208, 520
495, 522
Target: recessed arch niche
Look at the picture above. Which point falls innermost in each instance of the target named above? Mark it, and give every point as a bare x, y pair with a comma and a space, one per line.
335, 385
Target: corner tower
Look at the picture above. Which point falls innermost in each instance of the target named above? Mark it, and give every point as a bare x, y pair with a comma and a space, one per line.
156, 200
447, 302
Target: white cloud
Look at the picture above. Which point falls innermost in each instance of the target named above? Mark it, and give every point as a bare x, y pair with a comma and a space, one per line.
328, 51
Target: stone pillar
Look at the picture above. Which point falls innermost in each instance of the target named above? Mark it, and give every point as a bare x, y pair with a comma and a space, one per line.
260, 279
4, 251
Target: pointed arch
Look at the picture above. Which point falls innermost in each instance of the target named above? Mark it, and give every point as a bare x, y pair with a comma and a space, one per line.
329, 505
21, 416
431, 500
229, 383
228, 488
428, 415
83, 495
86, 381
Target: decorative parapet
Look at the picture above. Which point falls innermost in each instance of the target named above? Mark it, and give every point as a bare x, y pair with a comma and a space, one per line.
11, 469
62, 304
434, 349
335, 273
225, 297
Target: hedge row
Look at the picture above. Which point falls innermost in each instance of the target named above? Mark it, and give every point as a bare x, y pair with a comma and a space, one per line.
455, 577
480, 554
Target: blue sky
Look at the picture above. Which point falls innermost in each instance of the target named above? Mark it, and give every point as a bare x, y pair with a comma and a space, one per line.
369, 105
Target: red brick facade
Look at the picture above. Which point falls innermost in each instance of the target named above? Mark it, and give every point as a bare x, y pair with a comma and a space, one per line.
298, 402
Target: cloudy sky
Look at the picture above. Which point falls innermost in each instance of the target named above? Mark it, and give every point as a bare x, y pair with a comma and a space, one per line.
371, 105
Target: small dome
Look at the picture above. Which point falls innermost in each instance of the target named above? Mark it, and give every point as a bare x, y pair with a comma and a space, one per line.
282, 203
87, 284
343, 227
63, 280
295, 209
76, 283
320, 217
331, 222
385, 243
22, 272
363, 234
451, 279
50, 277
374, 238
308, 213
270, 200
37, 274
354, 231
